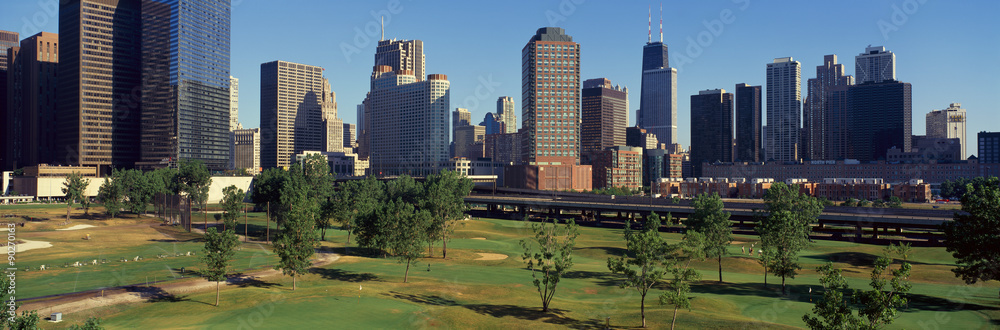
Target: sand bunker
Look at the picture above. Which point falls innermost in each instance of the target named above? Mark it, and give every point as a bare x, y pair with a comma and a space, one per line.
491, 256
482, 238
77, 227
31, 245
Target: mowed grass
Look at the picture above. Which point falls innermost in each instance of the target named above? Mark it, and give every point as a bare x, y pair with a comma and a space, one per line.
463, 292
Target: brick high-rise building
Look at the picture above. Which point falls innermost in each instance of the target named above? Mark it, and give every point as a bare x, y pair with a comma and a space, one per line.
748, 123
619, 166
817, 121
100, 84
31, 95
291, 111
711, 128
784, 109
605, 116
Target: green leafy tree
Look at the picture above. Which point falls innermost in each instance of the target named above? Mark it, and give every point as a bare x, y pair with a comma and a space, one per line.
644, 266
73, 187
785, 231
232, 204
112, 194
315, 169
138, 190
549, 255
28, 320
296, 241
878, 203
444, 198
895, 202
974, 236
678, 288
876, 308
409, 231
92, 323
900, 249
833, 311
864, 203
219, 253
193, 180
710, 219
357, 201
850, 202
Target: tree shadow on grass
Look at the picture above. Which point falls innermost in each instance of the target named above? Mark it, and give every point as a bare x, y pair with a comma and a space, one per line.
932, 303
244, 281
602, 278
433, 300
613, 251
859, 259
345, 276
156, 294
553, 316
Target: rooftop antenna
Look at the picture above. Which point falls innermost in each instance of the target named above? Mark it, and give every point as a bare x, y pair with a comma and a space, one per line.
661, 22
382, 24
650, 25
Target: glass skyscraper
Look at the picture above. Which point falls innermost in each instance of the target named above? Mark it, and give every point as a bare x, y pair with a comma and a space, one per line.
185, 82
658, 93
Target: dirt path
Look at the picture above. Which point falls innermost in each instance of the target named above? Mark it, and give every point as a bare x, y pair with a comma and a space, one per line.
72, 303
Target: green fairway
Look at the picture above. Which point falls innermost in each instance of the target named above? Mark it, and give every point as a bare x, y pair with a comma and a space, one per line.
469, 290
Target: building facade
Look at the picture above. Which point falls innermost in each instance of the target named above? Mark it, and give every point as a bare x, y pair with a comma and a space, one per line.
507, 114
234, 103
350, 130
333, 132
618, 166
405, 55
816, 171
290, 111
784, 103
815, 117
31, 94
605, 116
948, 124
658, 93
247, 150
748, 123
989, 147
407, 121
97, 106
503, 148
711, 128
879, 119
8, 39
466, 138
875, 65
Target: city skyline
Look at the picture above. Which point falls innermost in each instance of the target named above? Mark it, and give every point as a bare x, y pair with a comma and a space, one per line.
493, 67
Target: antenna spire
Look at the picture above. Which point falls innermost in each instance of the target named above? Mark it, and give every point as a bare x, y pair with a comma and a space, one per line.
382, 25
650, 25
661, 22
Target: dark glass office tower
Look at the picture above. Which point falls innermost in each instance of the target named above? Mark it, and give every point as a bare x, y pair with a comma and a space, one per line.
658, 93
98, 105
185, 83
879, 119
711, 128
748, 135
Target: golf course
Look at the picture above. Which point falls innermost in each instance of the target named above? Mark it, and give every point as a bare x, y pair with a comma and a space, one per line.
138, 282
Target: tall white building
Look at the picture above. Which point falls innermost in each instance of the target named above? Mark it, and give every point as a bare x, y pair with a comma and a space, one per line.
948, 124
784, 114
508, 116
234, 103
333, 137
875, 65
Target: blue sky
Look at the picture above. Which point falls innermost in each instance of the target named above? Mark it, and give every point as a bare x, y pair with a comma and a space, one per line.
946, 49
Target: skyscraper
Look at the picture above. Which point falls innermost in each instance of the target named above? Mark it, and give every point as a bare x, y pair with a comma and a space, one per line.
402, 55
989, 147
816, 119
658, 94
784, 100
31, 94
291, 113
234, 102
333, 127
875, 65
465, 137
508, 116
837, 122
748, 125
948, 124
99, 88
186, 96
711, 128
879, 119
605, 109
460, 117
550, 114
492, 123
350, 130
247, 149
8, 39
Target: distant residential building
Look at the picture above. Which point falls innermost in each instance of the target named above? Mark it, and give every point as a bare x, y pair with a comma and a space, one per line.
8, 39
818, 122
711, 128
948, 124
748, 123
234, 103
465, 139
503, 148
247, 150
605, 116
660, 163
879, 119
989, 147
507, 114
291, 111
31, 101
658, 94
784, 105
875, 65
618, 166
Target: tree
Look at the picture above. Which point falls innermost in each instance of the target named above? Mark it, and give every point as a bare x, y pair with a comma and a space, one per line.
850, 202
193, 180
92, 323
296, 241
974, 236
409, 231
111, 193
549, 255
319, 182
648, 253
219, 252
444, 198
267, 191
895, 202
878, 203
785, 231
833, 311
876, 308
710, 219
74, 187
864, 203
232, 204
138, 190
357, 201
679, 287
